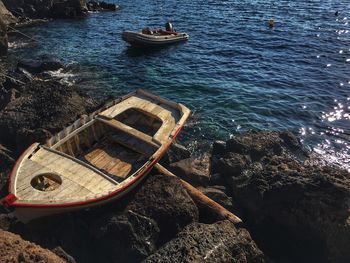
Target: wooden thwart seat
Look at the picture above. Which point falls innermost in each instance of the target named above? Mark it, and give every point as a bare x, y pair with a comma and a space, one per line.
133, 143
129, 130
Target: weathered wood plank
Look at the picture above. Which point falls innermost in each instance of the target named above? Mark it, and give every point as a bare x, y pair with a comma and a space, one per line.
199, 197
133, 132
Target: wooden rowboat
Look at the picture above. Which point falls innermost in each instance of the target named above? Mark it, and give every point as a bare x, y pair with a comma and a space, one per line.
97, 159
153, 38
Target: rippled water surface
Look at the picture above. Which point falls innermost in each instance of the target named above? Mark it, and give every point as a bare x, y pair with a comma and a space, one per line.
234, 73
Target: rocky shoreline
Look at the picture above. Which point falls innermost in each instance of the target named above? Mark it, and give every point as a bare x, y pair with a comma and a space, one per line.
294, 209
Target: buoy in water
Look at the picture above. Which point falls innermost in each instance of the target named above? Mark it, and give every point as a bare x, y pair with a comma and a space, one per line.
271, 23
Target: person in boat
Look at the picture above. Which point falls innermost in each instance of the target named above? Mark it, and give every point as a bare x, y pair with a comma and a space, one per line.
169, 27
147, 31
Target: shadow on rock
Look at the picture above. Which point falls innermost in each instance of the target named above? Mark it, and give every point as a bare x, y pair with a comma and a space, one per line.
165, 200
127, 237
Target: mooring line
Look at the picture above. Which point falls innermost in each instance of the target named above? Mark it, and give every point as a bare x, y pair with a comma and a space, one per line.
16, 30
7, 76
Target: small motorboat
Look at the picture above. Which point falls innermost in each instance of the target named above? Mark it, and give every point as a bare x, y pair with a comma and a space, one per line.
153, 38
97, 159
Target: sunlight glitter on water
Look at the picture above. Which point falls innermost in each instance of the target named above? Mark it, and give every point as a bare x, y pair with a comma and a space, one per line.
339, 157
339, 113
336, 149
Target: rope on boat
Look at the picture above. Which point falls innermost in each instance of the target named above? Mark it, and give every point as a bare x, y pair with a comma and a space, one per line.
7, 76
16, 30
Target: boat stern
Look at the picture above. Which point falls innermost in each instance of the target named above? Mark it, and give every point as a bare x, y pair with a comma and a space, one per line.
128, 36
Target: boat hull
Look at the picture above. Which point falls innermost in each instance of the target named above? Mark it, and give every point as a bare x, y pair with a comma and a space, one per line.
97, 159
143, 40
26, 214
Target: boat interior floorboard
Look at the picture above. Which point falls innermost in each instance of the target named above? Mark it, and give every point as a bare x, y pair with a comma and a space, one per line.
113, 159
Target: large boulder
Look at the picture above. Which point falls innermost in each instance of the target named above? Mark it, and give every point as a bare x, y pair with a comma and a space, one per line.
296, 208
43, 107
165, 200
14, 249
40, 65
125, 237
220, 242
195, 170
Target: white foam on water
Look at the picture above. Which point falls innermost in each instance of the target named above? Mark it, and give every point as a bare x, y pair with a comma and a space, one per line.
64, 77
20, 44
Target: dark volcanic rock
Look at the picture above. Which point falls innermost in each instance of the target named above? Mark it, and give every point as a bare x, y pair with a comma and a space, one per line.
70, 233
44, 105
230, 164
128, 237
295, 210
6, 160
68, 9
10, 84
7, 95
219, 147
6, 221
217, 193
220, 242
175, 153
101, 6
194, 170
47, 8
6, 164
29, 8
3, 38
165, 200
41, 64
63, 254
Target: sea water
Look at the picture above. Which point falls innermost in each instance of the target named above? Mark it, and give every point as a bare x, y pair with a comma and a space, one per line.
235, 72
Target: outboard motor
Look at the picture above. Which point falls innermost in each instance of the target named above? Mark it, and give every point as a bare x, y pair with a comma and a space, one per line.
169, 27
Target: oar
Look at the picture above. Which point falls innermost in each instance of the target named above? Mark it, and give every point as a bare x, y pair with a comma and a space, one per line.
202, 199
